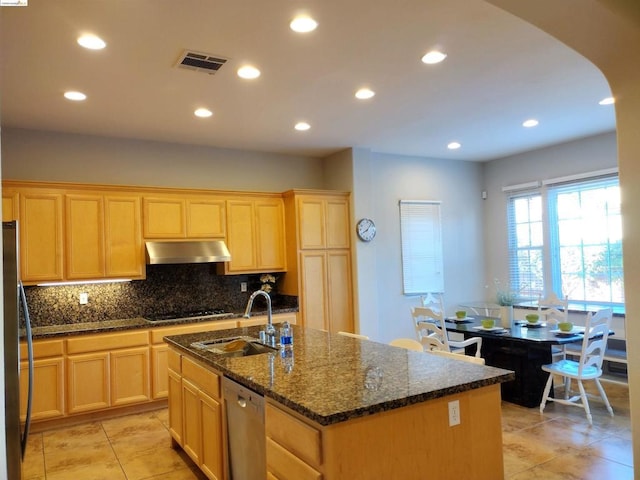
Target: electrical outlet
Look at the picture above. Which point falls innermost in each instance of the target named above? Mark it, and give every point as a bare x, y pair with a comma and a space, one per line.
84, 298
454, 413
243, 286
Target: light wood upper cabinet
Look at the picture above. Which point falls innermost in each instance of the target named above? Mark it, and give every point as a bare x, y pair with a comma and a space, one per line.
124, 252
179, 217
255, 235
84, 236
205, 218
323, 222
41, 236
164, 218
9, 206
103, 238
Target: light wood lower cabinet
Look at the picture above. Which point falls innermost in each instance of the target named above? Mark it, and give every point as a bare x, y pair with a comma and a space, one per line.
108, 370
195, 413
48, 400
88, 382
383, 445
48, 389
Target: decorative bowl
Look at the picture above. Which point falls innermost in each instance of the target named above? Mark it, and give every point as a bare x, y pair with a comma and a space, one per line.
461, 314
565, 326
488, 322
532, 317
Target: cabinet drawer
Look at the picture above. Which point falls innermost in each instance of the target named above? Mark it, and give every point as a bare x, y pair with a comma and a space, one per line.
295, 435
286, 466
158, 333
207, 380
43, 349
111, 341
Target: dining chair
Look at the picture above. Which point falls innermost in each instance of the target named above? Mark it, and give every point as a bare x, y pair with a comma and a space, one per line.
553, 310
353, 335
431, 330
587, 367
457, 356
408, 343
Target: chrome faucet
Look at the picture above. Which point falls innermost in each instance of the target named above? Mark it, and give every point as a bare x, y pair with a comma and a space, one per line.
270, 329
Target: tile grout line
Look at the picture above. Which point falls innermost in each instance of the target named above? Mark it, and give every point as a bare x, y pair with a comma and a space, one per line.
113, 450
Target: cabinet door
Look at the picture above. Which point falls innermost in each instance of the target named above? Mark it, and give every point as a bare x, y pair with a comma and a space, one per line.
205, 218
175, 406
84, 236
339, 301
159, 366
41, 236
241, 236
88, 382
337, 223
129, 376
48, 388
124, 254
164, 218
9, 207
311, 223
212, 442
270, 241
192, 421
313, 297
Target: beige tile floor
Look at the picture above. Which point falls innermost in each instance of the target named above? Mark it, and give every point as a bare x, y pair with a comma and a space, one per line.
559, 444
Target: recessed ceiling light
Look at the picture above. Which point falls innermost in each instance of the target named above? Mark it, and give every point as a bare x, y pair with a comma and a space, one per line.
92, 42
302, 126
303, 24
365, 93
607, 101
203, 112
454, 146
433, 56
75, 96
248, 72
532, 122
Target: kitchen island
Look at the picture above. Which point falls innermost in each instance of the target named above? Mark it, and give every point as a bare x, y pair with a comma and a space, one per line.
342, 408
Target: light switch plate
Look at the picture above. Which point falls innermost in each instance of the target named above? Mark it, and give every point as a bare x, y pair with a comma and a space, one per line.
84, 298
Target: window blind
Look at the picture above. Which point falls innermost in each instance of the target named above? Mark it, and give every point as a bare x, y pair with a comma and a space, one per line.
421, 243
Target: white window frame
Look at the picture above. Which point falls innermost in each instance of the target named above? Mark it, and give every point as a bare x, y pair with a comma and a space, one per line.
421, 244
548, 190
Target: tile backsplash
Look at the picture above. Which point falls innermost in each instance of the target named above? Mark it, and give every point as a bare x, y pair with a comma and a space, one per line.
167, 288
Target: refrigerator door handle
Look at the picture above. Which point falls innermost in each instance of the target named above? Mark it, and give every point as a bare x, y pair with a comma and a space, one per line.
25, 310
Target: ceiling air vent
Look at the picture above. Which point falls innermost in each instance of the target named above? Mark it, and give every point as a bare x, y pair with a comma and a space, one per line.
201, 62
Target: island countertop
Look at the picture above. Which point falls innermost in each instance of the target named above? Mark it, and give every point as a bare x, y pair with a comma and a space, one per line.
336, 378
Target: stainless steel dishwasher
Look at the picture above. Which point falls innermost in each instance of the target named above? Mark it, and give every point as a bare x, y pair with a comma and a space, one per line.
245, 431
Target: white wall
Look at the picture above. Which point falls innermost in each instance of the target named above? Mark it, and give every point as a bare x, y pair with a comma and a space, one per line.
381, 181
47, 156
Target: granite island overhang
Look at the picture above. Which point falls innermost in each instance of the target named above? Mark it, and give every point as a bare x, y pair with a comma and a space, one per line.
336, 378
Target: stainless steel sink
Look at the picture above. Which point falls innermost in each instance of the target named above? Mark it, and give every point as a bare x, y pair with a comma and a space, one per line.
249, 346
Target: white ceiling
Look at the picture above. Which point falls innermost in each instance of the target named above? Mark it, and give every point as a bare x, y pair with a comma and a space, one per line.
499, 72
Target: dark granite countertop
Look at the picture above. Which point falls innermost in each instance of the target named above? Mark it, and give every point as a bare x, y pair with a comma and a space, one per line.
104, 326
336, 378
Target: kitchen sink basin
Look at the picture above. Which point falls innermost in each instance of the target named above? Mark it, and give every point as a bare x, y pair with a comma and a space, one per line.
240, 346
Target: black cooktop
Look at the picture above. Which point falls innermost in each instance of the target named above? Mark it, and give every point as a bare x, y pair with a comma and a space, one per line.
180, 315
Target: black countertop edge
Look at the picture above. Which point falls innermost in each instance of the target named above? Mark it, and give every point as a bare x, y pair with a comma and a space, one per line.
103, 326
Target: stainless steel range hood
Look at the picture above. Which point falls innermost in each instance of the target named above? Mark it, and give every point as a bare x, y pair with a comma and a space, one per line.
206, 251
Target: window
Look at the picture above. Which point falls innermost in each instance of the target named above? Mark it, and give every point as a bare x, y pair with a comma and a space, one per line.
566, 237
420, 229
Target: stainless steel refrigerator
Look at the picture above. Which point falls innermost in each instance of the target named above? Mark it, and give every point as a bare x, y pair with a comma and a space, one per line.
15, 302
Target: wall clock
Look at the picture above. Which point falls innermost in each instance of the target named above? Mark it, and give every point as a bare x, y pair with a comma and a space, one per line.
366, 229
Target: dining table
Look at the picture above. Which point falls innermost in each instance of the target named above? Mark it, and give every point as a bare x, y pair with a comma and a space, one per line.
522, 347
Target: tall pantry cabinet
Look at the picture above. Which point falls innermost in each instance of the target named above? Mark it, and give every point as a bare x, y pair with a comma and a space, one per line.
319, 258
